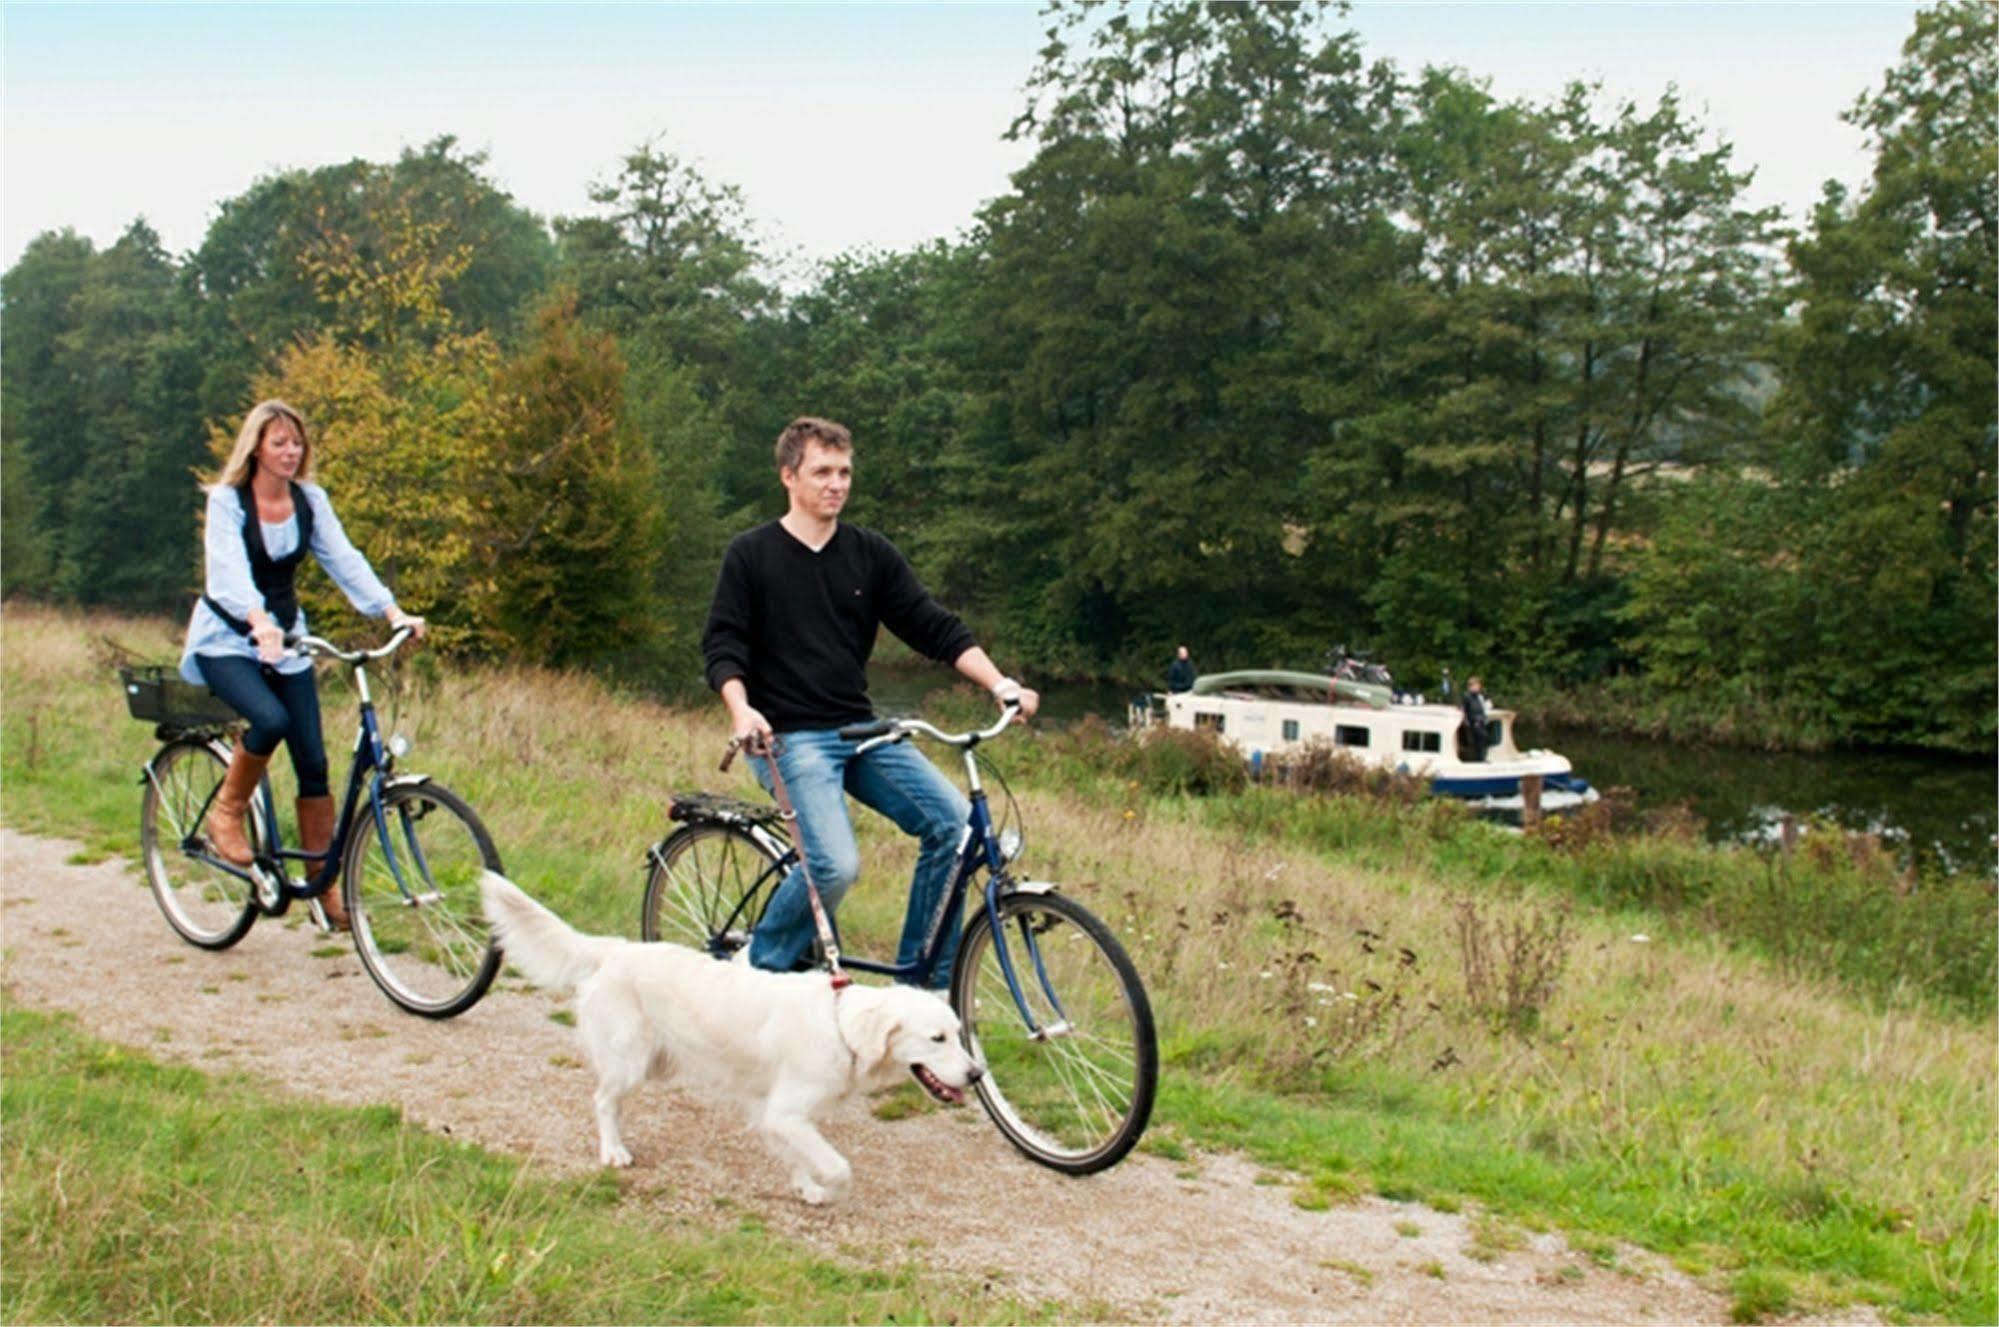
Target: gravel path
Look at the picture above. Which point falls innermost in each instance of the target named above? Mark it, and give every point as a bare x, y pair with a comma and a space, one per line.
1151, 1240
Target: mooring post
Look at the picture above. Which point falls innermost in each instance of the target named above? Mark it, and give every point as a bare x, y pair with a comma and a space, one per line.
1530, 800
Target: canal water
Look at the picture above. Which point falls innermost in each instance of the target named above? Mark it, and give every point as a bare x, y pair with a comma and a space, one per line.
1932, 807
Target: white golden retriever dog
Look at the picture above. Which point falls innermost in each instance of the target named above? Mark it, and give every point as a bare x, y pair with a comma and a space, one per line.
784, 1047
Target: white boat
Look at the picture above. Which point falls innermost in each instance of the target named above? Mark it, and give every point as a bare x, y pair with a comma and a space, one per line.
1270, 714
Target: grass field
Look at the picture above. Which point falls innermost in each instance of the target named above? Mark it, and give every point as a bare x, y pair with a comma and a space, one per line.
138, 1192
1778, 1073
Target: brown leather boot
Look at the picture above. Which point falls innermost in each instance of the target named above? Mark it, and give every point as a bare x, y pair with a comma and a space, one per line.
315, 835
232, 803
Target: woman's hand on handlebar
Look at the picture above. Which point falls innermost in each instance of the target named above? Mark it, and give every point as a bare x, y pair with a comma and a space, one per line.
398, 619
268, 637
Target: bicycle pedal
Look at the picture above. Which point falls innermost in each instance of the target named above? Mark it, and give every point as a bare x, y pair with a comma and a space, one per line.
270, 892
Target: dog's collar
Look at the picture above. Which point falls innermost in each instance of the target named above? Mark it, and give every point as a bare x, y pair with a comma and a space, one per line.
853, 1056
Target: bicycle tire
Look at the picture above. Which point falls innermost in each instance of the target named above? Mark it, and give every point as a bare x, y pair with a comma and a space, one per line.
419, 925
698, 888
1077, 1101
205, 905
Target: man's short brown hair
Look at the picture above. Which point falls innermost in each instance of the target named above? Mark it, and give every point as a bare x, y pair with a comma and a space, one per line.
810, 428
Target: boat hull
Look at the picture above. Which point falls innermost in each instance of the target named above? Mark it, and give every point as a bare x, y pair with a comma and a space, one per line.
1498, 784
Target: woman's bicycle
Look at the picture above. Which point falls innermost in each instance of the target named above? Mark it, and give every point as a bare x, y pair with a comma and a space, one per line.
407, 853
1048, 998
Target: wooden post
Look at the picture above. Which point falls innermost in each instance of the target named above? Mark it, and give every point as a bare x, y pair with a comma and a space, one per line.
1787, 833
1530, 800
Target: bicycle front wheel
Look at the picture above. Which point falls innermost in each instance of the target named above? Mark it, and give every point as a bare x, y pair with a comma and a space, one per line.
412, 897
204, 903
698, 890
1074, 1092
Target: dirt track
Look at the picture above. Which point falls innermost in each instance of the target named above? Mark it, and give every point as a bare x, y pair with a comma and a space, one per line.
1154, 1240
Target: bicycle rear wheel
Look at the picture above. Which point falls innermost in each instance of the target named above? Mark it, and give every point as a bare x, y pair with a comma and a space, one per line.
697, 892
204, 903
1076, 1092
414, 904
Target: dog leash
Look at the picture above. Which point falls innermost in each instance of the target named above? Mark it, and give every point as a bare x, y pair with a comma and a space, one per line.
767, 750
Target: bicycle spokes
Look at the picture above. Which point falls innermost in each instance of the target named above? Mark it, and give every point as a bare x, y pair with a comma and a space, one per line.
204, 900
705, 887
1055, 1010
414, 901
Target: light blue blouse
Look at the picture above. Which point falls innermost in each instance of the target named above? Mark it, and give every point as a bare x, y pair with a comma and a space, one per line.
229, 583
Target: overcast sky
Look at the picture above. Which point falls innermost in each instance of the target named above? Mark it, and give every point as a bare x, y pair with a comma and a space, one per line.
845, 125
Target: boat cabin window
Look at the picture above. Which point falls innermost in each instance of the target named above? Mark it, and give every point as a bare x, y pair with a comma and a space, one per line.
1290, 730
1347, 734
1212, 722
1413, 740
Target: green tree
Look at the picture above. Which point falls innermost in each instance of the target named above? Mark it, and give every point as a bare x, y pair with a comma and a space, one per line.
400, 402
129, 532
572, 523
258, 296
103, 427
42, 404
1207, 179
1851, 582
1886, 411
669, 266
1588, 301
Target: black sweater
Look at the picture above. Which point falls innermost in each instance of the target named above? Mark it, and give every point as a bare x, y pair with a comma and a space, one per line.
798, 626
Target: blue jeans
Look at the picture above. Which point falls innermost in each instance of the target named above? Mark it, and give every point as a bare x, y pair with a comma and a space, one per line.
281, 707
819, 769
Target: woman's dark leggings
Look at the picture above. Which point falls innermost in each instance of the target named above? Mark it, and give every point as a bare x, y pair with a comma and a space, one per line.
281, 707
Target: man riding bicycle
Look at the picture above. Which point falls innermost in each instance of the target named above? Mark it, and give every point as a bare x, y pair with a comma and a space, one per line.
796, 610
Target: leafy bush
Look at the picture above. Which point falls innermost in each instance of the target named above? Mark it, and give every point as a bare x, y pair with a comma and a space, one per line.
1323, 767
1174, 761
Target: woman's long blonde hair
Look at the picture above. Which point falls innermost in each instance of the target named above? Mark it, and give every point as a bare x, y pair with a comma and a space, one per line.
242, 462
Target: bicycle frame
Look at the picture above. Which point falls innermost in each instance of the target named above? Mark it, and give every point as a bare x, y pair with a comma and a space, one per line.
371, 757
979, 850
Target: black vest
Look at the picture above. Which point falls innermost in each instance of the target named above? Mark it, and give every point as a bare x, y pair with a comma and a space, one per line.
273, 577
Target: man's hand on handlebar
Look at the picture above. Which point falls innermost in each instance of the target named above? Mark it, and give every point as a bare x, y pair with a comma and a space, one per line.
1009, 692
749, 729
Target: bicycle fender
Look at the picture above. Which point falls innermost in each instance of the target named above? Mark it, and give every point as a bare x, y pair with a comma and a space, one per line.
405, 781
1035, 887
146, 773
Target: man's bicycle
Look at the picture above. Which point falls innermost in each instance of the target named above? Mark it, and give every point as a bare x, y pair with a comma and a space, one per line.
1048, 998
407, 853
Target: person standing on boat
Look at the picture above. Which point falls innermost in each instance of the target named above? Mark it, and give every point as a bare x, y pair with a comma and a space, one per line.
1475, 720
1180, 673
